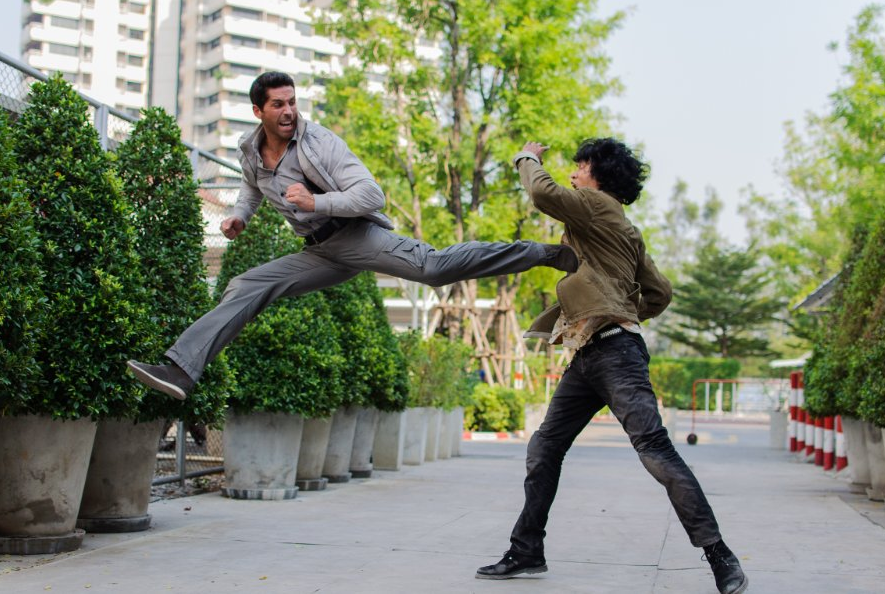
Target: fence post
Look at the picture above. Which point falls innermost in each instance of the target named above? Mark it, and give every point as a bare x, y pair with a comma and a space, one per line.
101, 125
195, 163
181, 453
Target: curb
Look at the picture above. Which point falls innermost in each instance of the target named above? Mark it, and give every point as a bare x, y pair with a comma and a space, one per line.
492, 435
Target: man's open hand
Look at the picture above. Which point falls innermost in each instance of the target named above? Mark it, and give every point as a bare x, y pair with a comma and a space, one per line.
302, 198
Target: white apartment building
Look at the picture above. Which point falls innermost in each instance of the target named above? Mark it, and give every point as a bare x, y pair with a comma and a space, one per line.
101, 46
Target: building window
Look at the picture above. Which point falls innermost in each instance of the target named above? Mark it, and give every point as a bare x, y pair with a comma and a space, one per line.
69, 77
34, 18
321, 57
211, 73
238, 97
240, 41
89, 25
87, 53
133, 87
135, 60
86, 79
34, 46
64, 50
302, 79
243, 69
136, 34
240, 127
64, 23
306, 29
211, 18
246, 13
137, 8
210, 45
303, 53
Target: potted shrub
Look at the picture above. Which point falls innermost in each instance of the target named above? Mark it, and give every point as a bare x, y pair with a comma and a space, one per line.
287, 366
93, 316
157, 179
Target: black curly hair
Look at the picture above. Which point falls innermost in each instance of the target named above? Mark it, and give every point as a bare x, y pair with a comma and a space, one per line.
614, 167
268, 80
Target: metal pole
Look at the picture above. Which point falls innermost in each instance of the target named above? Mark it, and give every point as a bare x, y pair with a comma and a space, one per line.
101, 125
706, 398
180, 457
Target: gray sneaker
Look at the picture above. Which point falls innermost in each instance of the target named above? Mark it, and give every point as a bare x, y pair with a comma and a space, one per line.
169, 379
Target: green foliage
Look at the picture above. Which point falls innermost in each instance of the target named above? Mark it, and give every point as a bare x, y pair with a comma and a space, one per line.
672, 379
289, 358
157, 178
21, 297
441, 141
496, 408
377, 374
438, 371
669, 379
95, 315
722, 303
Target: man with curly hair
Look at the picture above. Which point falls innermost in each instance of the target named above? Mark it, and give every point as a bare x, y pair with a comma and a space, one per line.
601, 305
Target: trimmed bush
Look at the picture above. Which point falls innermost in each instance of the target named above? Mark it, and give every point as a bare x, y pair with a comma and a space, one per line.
376, 373
157, 178
438, 371
95, 315
20, 291
289, 358
496, 408
675, 387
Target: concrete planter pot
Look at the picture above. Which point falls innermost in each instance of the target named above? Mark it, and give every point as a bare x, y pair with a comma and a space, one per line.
260, 453
457, 429
118, 485
43, 466
363, 440
416, 436
856, 447
444, 451
777, 432
434, 428
876, 458
336, 467
387, 451
314, 443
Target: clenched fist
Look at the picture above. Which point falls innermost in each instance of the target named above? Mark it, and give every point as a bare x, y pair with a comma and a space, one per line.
302, 198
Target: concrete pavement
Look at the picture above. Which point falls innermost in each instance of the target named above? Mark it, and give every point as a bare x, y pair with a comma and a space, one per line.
427, 528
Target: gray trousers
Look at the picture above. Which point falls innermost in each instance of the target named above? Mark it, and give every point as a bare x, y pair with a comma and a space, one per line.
359, 246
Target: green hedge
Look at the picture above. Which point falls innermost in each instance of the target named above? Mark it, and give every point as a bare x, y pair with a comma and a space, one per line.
157, 178
439, 371
21, 297
289, 359
95, 316
672, 378
496, 408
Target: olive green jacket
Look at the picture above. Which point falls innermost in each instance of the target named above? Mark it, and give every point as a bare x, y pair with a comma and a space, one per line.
616, 281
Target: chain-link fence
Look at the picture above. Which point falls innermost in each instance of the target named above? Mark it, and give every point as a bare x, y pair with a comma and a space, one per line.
200, 452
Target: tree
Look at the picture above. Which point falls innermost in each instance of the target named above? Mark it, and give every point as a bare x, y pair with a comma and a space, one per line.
723, 300
95, 314
157, 179
501, 73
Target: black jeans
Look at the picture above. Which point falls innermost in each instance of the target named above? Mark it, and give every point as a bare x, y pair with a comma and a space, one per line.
612, 371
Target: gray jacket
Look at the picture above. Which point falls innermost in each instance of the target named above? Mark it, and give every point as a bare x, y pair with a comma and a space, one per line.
348, 188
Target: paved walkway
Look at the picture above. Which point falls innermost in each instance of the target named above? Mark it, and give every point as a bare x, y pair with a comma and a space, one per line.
425, 529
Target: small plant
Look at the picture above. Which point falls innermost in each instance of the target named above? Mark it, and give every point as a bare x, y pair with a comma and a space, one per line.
438, 371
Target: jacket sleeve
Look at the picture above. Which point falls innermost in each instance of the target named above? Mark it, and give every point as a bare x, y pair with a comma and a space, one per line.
654, 289
250, 196
561, 203
358, 194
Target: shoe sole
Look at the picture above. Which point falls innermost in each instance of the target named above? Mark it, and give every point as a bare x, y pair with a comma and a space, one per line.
155, 383
530, 570
743, 586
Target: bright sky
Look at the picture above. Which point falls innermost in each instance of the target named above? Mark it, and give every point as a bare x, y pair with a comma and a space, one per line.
709, 85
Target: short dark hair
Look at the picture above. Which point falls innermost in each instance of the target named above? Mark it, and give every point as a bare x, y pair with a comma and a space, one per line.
614, 167
268, 80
